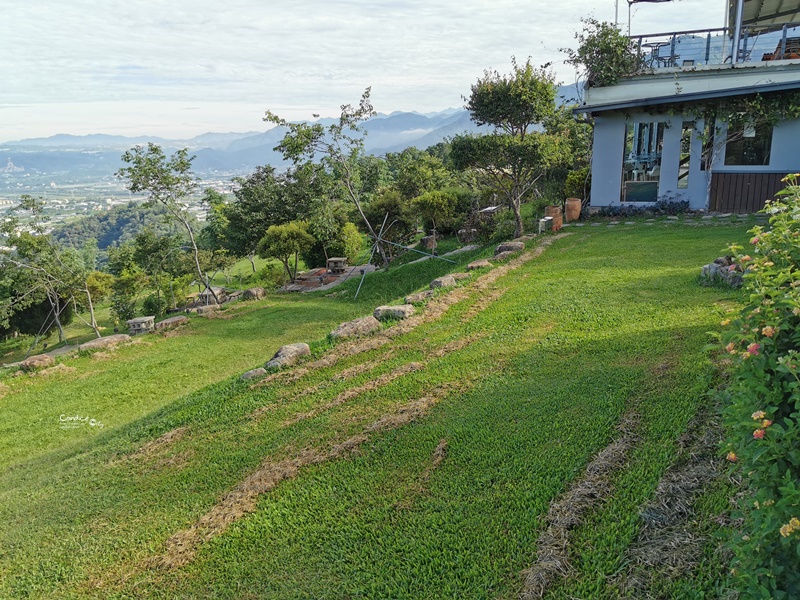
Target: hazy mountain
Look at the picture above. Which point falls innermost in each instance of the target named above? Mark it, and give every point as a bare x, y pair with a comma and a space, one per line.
226, 152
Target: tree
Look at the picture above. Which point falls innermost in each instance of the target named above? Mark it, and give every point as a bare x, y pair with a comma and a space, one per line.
435, 208
416, 172
603, 55
168, 182
266, 198
283, 242
514, 157
42, 269
338, 146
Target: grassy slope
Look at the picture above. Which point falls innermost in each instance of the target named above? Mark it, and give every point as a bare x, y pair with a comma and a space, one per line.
599, 326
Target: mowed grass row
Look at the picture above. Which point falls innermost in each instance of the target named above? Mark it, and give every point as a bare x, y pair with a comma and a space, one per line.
140, 379
579, 338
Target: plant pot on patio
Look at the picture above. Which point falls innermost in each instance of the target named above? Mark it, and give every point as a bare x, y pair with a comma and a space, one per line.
555, 212
573, 209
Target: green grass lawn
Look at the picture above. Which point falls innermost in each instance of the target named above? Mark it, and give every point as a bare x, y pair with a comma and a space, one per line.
530, 377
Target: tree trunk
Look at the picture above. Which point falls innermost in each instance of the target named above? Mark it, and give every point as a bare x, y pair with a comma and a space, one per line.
92, 321
515, 206
56, 305
196, 253
252, 258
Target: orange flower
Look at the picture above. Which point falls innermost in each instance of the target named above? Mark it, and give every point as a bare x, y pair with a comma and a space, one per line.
766, 423
768, 330
758, 415
754, 348
731, 456
758, 434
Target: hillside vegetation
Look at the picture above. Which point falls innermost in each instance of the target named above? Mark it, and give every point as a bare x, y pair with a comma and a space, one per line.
510, 438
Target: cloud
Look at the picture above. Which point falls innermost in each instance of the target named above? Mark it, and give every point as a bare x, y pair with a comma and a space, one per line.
301, 53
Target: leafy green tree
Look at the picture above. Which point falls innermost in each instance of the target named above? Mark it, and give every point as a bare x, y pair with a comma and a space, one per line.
267, 198
401, 218
436, 208
41, 268
338, 147
168, 182
416, 172
285, 241
514, 157
603, 55
214, 235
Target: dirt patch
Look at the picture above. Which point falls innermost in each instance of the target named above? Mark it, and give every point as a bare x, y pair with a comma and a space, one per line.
668, 546
566, 512
181, 548
4, 389
58, 369
353, 393
101, 355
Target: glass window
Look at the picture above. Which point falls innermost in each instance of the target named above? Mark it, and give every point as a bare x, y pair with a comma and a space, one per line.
641, 165
748, 145
687, 130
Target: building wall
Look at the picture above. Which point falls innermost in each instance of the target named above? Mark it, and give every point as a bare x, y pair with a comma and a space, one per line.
608, 157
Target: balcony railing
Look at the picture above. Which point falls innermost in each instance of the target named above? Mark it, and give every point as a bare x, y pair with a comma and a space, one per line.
687, 49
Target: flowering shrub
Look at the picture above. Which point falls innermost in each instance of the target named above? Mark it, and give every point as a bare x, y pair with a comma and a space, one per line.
763, 405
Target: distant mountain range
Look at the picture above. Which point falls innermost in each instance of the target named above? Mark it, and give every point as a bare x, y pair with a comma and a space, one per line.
99, 154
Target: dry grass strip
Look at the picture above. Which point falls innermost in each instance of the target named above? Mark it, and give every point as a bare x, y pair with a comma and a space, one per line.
455, 345
565, 513
181, 547
153, 448
667, 546
434, 309
439, 454
354, 392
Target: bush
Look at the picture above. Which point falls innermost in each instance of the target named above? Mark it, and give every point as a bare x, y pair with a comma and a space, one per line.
271, 276
155, 304
763, 403
578, 183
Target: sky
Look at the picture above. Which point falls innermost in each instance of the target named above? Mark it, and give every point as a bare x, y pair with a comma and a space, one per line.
179, 68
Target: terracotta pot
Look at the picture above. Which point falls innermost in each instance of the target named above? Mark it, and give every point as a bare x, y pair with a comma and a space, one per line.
574, 209
555, 212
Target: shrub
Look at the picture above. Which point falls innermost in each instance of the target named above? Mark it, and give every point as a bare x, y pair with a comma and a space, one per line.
763, 403
271, 276
578, 183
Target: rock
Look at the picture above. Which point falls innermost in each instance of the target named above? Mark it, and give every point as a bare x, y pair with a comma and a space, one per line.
442, 282
503, 256
478, 264
172, 322
724, 261
255, 293
460, 276
288, 355
207, 310
104, 343
254, 373
672, 218
38, 361
418, 298
509, 247
428, 242
467, 235
526, 237
402, 311
363, 326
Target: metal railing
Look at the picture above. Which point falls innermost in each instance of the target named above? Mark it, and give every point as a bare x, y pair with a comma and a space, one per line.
686, 49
